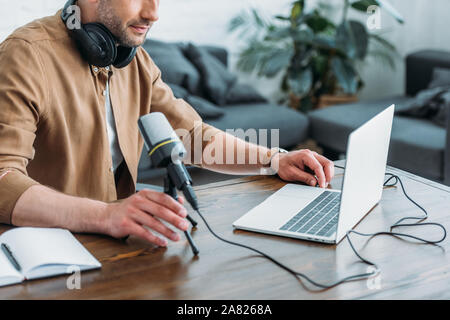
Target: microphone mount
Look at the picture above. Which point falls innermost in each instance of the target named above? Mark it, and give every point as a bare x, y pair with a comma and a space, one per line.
171, 189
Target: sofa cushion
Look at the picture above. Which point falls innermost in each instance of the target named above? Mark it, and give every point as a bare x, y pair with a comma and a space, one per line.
175, 67
441, 78
204, 108
293, 125
429, 104
243, 93
417, 145
218, 52
216, 80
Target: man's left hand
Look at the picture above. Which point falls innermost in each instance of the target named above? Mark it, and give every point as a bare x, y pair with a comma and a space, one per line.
293, 166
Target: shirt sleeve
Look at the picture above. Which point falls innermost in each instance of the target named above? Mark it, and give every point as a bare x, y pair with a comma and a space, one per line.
22, 92
187, 123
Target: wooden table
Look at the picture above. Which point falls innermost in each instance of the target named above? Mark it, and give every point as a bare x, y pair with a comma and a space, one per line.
136, 270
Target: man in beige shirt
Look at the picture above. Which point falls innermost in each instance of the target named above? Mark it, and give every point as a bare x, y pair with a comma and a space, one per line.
56, 166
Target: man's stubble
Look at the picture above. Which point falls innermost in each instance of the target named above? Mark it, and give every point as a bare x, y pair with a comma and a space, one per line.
108, 17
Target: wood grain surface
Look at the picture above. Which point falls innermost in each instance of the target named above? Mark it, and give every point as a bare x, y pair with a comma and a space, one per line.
138, 270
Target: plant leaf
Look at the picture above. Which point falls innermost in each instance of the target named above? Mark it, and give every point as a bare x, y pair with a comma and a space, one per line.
317, 23
278, 33
385, 43
320, 63
297, 9
283, 18
267, 59
363, 5
360, 37
276, 61
250, 23
325, 42
303, 36
383, 57
251, 57
383, 51
345, 74
345, 40
300, 82
259, 20
237, 22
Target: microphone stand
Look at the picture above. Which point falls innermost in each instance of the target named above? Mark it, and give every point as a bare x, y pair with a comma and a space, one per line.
171, 190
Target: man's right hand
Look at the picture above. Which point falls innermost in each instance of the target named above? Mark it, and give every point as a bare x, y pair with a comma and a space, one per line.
143, 211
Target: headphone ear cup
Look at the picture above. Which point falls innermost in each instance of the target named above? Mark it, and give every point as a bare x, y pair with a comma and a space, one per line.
104, 39
124, 56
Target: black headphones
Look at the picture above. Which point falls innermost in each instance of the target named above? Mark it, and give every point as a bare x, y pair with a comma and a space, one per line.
97, 44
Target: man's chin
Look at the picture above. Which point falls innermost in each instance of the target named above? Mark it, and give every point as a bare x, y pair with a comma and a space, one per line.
135, 42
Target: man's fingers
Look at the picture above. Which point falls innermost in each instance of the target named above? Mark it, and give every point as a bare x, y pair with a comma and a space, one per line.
310, 161
165, 200
296, 174
154, 224
141, 232
162, 212
328, 166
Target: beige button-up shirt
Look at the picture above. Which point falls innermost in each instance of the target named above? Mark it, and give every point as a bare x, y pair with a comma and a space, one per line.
53, 122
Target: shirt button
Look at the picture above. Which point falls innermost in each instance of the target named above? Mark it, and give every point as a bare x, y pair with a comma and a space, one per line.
104, 92
111, 169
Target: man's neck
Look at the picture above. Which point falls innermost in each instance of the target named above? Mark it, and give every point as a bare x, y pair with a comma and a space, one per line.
88, 11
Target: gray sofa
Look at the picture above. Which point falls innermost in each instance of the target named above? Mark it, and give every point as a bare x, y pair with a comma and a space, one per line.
417, 145
261, 114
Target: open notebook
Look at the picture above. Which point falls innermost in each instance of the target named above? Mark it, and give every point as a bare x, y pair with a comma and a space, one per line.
40, 253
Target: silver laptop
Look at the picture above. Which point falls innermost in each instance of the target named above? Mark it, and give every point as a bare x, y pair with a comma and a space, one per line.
325, 215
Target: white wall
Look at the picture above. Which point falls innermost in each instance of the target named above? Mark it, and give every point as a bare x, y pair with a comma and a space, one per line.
205, 22
13, 14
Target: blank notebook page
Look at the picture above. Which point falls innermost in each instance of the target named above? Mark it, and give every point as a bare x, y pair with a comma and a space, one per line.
34, 247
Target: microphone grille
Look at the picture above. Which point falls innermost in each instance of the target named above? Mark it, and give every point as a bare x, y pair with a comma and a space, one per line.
157, 127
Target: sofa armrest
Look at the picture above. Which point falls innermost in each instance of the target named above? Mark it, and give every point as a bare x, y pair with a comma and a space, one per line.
419, 68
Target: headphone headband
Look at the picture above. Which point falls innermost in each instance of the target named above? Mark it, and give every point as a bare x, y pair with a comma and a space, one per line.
65, 13
96, 43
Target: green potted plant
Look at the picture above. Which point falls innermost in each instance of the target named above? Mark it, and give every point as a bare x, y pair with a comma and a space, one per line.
317, 57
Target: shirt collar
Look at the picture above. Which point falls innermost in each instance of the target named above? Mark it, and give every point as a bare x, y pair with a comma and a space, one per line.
106, 70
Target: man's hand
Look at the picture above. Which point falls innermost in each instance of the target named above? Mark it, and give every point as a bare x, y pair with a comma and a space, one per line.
143, 211
293, 166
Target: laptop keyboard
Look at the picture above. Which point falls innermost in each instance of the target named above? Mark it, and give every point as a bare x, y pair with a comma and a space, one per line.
318, 218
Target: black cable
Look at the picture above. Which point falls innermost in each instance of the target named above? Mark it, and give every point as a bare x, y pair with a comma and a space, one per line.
295, 273
360, 276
